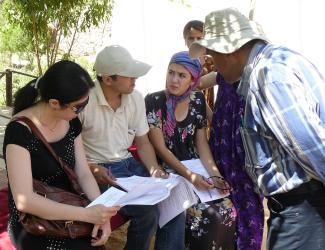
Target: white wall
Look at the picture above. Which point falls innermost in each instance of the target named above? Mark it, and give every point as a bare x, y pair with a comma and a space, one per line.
152, 29
298, 24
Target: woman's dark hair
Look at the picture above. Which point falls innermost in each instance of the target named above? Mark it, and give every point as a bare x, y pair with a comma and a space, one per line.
195, 24
65, 81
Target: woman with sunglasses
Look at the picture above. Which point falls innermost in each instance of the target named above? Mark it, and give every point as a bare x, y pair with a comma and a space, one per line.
52, 103
177, 120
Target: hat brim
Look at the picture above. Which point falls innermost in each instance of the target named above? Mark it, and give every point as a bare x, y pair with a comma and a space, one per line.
225, 44
135, 69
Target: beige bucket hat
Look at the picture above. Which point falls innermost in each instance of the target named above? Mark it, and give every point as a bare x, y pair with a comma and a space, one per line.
116, 60
225, 31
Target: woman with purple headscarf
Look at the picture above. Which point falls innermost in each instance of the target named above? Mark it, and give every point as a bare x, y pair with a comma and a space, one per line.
177, 120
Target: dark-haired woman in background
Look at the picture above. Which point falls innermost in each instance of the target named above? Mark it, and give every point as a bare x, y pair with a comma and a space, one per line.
52, 102
193, 31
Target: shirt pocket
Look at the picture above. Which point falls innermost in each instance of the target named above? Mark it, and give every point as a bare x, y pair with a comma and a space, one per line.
258, 150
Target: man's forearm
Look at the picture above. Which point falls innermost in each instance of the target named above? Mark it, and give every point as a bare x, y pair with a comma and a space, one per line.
148, 158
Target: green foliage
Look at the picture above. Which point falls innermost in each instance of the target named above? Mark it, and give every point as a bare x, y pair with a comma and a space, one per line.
13, 39
43, 23
64, 14
34, 30
87, 65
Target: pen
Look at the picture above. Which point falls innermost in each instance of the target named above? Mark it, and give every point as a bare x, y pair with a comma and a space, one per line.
209, 193
205, 179
114, 183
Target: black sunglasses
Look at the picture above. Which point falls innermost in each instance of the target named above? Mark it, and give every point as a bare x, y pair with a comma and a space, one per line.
80, 106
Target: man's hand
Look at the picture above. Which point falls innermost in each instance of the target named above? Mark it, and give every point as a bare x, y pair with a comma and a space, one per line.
101, 175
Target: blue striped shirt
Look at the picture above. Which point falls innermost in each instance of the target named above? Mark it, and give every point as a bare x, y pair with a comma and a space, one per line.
283, 128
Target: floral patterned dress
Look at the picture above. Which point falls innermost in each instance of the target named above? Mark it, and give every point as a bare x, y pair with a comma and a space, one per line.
228, 152
208, 225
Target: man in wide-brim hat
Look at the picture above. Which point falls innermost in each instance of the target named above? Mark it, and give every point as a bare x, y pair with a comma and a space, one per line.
282, 129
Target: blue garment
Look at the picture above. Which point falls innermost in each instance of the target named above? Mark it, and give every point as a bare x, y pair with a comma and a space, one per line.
283, 126
172, 235
300, 226
144, 219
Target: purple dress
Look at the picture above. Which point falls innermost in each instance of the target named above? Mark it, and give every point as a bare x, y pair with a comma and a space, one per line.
228, 152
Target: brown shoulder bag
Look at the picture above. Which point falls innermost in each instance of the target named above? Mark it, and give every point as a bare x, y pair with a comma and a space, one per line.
59, 228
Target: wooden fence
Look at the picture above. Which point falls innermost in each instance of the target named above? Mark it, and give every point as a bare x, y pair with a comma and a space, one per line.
8, 73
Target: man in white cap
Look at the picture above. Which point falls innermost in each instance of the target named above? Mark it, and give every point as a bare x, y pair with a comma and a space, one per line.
114, 118
282, 129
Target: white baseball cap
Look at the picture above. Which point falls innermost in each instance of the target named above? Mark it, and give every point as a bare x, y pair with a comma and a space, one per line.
116, 60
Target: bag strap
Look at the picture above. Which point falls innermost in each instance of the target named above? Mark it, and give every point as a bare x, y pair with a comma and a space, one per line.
69, 172
38, 134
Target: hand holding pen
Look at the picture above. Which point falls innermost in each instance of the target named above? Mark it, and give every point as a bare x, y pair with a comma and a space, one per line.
101, 174
209, 182
113, 182
199, 181
219, 183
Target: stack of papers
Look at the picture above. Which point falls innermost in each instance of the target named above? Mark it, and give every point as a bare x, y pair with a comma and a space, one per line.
173, 195
141, 191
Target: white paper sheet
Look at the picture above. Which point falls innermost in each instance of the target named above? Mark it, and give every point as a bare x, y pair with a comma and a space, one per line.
181, 197
109, 198
196, 166
141, 191
173, 195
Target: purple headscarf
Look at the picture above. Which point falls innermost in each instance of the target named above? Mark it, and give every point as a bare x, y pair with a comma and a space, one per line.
194, 67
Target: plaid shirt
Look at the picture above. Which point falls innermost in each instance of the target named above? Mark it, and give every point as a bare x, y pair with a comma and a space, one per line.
283, 128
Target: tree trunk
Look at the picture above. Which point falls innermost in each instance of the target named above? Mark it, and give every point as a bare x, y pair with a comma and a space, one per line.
73, 39
36, 48
54, 38
56, 47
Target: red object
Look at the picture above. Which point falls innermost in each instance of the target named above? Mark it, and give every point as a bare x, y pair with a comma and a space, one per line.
5, 243
117, 221
133, 151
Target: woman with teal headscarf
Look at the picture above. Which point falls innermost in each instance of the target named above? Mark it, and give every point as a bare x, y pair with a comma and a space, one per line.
177, 121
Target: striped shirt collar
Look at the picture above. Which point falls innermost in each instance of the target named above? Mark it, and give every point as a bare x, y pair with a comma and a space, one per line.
253, 58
